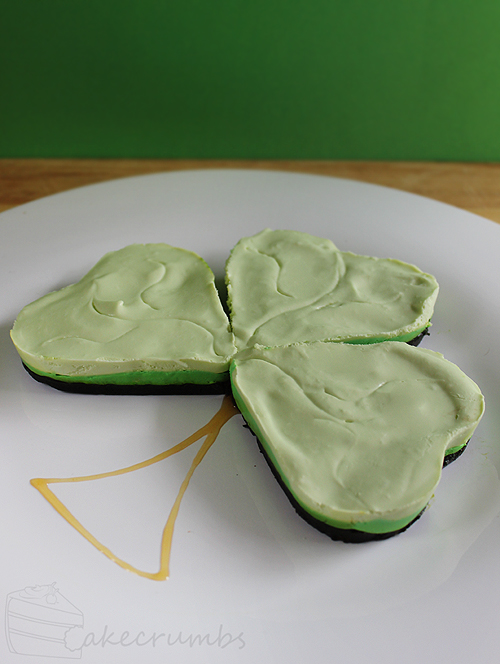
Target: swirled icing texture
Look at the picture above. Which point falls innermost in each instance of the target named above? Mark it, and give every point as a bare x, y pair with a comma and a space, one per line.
357, 432
286, 287
146, 307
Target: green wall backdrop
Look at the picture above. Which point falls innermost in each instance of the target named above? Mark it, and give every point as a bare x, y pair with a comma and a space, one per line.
318, 79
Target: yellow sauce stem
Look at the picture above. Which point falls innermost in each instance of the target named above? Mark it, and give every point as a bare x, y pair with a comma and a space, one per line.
210, 430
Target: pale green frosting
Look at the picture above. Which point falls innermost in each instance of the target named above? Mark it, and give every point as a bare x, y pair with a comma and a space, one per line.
358, 433
286, 287
143, 308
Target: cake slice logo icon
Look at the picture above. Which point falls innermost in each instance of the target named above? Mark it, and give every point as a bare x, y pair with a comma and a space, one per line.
38, 620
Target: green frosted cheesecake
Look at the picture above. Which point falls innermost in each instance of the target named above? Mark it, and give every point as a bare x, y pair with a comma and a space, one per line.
356, 435
286, 287
356, 431
145, 318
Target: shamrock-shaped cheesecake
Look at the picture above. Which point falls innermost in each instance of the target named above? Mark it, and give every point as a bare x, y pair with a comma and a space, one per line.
355, 425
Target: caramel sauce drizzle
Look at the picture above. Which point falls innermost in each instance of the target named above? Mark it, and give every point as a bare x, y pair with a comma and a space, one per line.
211, 430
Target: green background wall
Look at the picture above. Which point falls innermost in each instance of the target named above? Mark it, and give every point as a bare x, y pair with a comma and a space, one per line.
319, 79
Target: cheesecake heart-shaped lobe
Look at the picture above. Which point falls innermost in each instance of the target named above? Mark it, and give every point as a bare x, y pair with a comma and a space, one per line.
142, 308
286, 287
357, 433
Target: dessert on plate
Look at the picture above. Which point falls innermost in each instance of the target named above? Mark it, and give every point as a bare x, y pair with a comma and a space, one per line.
355, 425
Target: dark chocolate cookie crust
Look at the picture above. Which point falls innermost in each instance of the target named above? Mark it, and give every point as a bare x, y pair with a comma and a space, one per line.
90, 388
449, 458
416, 340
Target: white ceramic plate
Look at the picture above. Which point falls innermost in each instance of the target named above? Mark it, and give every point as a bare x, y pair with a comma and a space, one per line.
250, 581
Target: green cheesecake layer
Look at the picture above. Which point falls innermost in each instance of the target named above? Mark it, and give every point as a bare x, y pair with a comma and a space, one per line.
141, 378
286, 287
356, 433
146, 310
